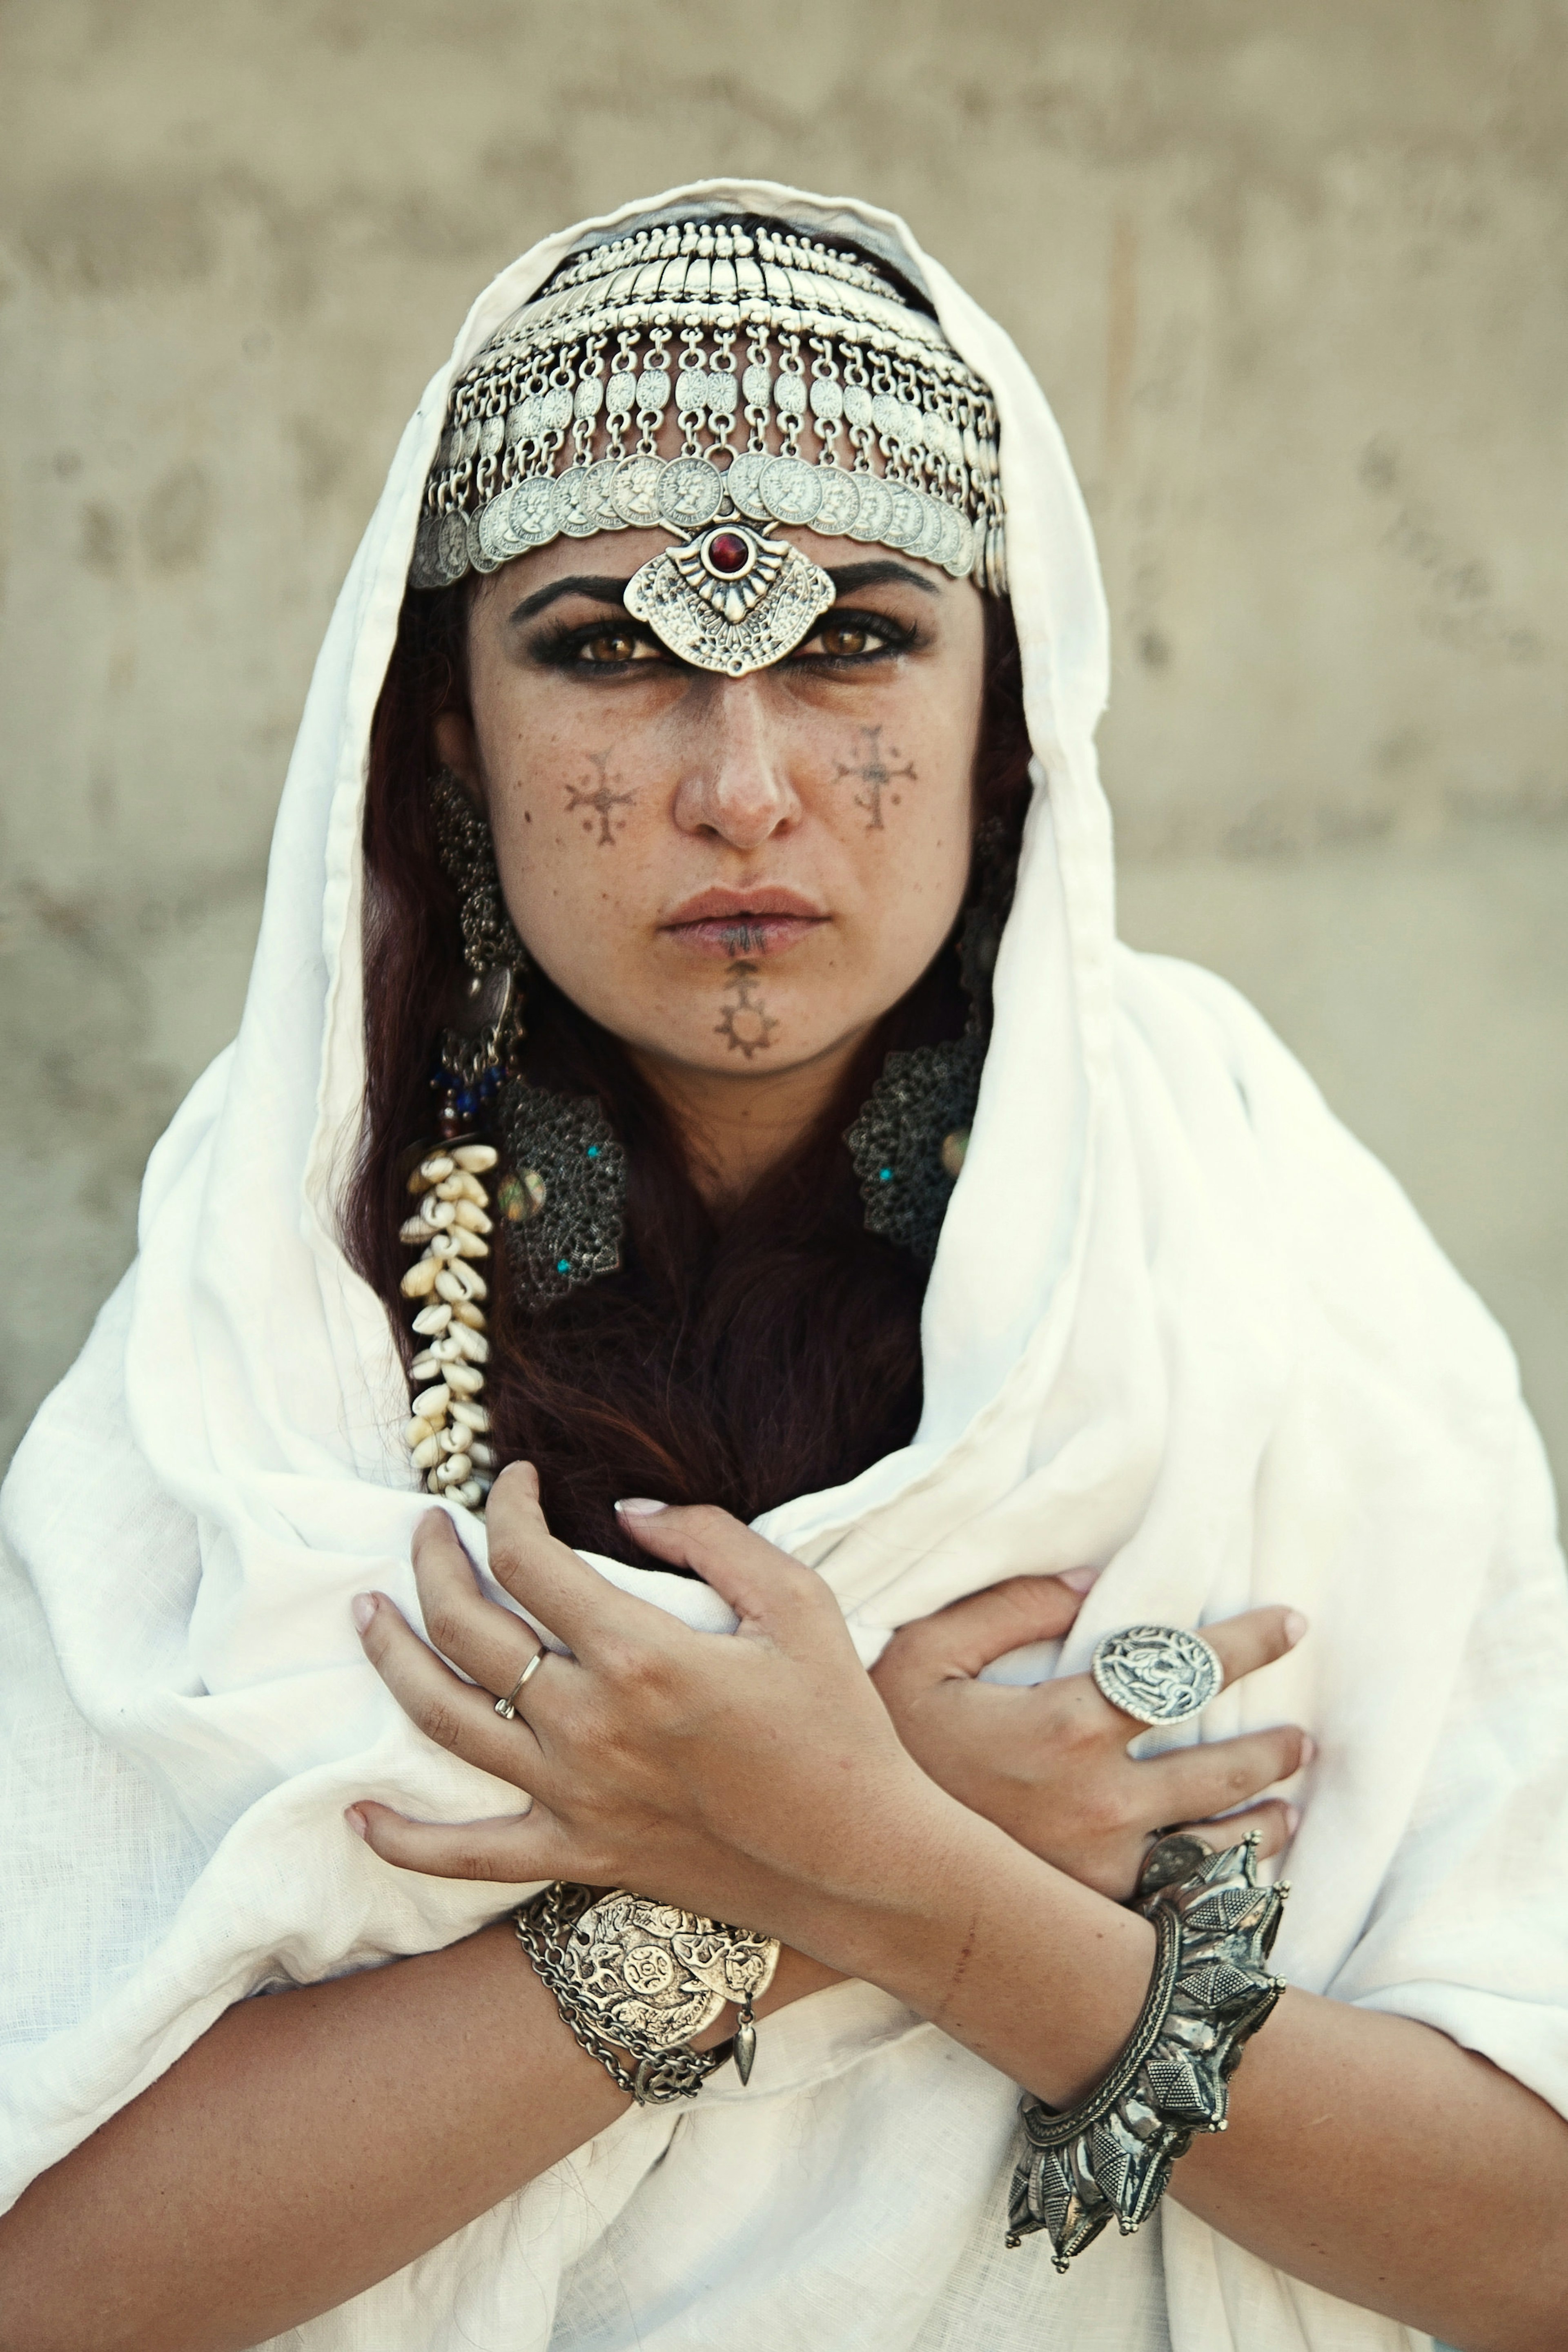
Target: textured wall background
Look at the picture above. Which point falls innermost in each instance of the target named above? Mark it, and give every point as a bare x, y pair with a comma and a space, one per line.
1292, 274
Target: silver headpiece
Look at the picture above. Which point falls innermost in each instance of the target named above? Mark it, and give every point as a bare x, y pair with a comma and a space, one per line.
806, 390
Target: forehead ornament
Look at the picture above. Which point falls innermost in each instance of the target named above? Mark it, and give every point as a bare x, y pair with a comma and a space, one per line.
730, 599
808, 391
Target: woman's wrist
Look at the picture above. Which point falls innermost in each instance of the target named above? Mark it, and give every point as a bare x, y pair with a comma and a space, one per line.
954, 1917
796, 1975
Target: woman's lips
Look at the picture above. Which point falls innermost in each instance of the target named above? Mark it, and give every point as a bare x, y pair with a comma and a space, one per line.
732, 924
732, 936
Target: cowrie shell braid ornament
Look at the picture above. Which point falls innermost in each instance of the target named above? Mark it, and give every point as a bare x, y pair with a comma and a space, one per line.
446, 1433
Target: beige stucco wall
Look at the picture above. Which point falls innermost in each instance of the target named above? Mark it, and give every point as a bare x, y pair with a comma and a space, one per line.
1292, 274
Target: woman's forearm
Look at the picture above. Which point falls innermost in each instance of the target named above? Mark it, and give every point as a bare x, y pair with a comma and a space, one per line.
311, 2143
1374, 2157
1368, 2154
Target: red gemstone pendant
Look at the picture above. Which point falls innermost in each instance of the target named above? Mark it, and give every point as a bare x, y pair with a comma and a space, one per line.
730, 553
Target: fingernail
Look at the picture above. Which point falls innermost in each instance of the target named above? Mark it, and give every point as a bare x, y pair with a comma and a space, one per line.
1293, 1819
355, 1819
1309, 1748
1079, 1579
641, 1506
1295, 1626
362, 1608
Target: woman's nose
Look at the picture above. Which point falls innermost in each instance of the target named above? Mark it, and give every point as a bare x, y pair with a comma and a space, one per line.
736, 783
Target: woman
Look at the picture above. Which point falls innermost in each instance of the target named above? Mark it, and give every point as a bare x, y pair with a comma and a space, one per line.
726, 814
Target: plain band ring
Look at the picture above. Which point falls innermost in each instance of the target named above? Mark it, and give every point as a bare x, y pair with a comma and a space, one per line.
1156, 1674
508, 1705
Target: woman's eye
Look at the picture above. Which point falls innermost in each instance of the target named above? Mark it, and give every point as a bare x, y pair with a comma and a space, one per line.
857, 636
849, 637
612, 646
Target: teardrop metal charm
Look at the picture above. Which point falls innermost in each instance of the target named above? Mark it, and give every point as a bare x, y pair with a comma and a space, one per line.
745, 2044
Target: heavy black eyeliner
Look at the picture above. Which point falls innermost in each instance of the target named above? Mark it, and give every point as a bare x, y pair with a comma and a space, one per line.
899, 635
558, 647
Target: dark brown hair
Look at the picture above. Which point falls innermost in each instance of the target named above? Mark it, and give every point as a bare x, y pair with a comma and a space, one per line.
738, 1360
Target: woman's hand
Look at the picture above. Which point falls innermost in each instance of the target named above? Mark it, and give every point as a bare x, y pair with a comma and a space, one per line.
1049, 1764
754, 1778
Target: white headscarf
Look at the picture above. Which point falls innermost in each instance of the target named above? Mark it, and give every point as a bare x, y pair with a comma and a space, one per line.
1180, 1325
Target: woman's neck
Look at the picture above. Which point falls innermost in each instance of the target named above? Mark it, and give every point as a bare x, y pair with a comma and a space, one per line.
735, 1127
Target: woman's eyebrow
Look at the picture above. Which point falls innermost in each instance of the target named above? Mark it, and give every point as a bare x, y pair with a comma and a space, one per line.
847, 577
601, 590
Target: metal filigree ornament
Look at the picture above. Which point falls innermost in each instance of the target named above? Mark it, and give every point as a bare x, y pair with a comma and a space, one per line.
704, 373
1110, 2157
911, 1137
640, 1978
909, 1141
563, 1205
730, 599
1156, 1674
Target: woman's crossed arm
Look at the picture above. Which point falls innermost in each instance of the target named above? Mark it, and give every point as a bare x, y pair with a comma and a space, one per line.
315, 2140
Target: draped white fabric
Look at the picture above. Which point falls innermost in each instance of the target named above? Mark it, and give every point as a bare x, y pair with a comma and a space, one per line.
1180, 1325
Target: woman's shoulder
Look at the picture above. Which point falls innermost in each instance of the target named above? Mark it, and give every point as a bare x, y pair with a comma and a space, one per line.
1246, 1107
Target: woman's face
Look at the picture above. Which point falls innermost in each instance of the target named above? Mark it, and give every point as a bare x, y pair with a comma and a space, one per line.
735, 876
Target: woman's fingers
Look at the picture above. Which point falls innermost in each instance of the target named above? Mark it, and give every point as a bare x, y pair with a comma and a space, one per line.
515, 1849
1254, 1639
1275, 1823
448, 1711
1194, 1784
753, 1575
484, 1641
969, 1634
580, 1606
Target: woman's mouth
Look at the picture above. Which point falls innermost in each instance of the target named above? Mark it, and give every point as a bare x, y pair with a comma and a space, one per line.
733, 925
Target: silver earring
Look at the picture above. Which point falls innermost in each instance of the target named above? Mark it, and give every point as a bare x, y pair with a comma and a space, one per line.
474, 1052
912, 1132
564, 1207
561, 1204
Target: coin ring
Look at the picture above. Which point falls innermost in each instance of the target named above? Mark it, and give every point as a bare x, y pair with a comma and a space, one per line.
1156, 1674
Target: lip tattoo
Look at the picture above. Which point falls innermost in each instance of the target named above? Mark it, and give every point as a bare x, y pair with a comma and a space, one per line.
874, 772
601, 801
742, 938
743, 1019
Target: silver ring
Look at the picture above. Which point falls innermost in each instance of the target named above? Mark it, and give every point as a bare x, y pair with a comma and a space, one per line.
1156, 1674
508, 1705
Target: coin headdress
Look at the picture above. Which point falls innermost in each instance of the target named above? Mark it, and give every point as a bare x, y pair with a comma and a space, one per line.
807, 387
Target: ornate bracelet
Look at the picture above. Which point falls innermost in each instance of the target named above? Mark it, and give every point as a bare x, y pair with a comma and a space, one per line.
642, 1977
1111, 2156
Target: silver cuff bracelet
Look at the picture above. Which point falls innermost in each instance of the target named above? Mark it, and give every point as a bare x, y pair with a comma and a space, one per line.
1110, 2157
642, 1977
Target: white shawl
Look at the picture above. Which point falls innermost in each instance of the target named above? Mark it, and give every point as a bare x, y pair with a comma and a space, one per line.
1180, 1325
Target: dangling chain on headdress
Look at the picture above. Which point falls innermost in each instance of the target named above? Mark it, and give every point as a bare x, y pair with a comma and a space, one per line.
766, 342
